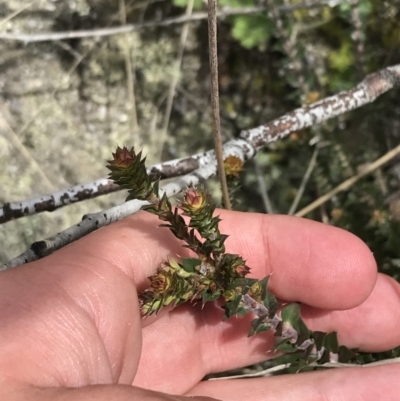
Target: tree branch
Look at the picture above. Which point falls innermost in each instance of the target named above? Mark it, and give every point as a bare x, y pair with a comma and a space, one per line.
304, 181
245, 147
92, 222
175, 78
225, 12
365, 92
103, 186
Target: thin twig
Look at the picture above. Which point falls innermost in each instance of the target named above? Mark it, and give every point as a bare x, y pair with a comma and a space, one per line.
175, 77
16, 12
328, 365
351, 181
290, 46
357, 35
259, 373
262, 188
130, 82
225, 12
304, 181
213, 57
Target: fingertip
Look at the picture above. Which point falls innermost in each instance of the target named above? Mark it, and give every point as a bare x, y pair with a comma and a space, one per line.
310, 262
369, 327
324, 266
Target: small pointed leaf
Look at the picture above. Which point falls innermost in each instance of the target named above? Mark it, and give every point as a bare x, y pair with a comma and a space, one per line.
258, 326
190, 264
331, 342
207, 297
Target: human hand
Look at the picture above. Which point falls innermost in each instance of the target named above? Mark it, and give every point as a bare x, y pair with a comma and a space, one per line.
71, 327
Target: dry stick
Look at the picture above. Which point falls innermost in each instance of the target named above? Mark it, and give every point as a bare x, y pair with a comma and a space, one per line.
290, 46
245, 148
175, 77
328, 365
213, 57
130, 83
294, 64
304, 181
351, 181
16, 12
226, 12
357, 35
262, 188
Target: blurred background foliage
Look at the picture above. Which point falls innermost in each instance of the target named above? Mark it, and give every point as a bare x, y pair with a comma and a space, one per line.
64, 105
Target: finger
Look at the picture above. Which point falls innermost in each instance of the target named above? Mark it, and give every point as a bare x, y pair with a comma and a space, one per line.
350, 384
310, 262
371, 326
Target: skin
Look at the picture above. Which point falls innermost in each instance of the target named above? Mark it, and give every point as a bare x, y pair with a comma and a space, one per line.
71, 327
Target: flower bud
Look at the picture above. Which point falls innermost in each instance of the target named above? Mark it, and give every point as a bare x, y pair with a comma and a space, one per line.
242, 270
161, 282
233, 166
123, 158
193, 200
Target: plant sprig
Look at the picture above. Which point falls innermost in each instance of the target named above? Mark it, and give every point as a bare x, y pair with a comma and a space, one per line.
215, 274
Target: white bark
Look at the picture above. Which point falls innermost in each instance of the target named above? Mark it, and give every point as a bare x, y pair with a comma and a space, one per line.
103, 186
92, 222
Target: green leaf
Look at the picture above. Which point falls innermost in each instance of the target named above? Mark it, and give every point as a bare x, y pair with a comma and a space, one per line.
285, 346
263, 284
244, 283
343, 59
271, 303
291, 316
184, 3
251, 31
319, 337
234, 308
190, 264
258, 326
207, 297
331, 342
346, 354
